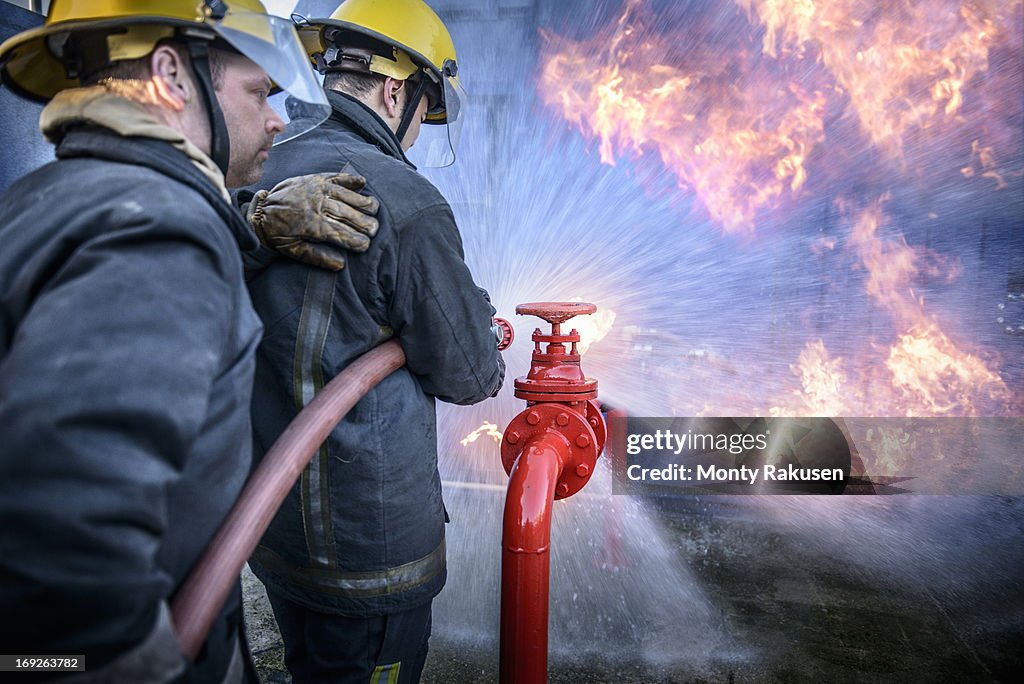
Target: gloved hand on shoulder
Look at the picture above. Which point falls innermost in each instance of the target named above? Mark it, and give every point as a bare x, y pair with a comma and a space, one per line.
313, 218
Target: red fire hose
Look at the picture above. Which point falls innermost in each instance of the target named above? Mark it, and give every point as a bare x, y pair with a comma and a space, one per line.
196, 604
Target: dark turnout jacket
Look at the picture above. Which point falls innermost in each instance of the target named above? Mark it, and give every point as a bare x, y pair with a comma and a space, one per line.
127, 344
362, 533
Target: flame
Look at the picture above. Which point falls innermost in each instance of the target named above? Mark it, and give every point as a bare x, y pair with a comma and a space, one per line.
739, 149
737, 128
931, 373
822, 381
893, 266
986, 161
487, 429
592, 328
927, 373
936, 378
903, 64
747, 129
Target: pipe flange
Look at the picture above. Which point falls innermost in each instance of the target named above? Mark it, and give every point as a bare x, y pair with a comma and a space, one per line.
583, 443
597, 422
555, 397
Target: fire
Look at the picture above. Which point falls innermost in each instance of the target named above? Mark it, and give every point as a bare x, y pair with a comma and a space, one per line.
738, 125
487, 429
822, 381
592, 328
934, 377
829, 92
903, 64
893, 266
925, 372
738, 149
930, 372
985, 159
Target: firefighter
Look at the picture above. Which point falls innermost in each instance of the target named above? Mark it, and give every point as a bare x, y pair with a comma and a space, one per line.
356, 554
127, 336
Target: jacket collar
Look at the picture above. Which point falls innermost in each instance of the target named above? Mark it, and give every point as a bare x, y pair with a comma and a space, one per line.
355, 115
103, 105
161, 156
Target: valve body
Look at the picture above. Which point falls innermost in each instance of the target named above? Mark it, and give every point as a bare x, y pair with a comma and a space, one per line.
559, 398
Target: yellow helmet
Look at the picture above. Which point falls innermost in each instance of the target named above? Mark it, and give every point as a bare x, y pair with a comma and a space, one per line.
418, 39
41, 62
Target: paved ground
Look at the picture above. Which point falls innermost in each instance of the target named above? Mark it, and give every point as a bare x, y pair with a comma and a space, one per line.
926, 593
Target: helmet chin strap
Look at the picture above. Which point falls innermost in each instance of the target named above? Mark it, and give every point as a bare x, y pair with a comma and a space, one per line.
220, 143
411, 105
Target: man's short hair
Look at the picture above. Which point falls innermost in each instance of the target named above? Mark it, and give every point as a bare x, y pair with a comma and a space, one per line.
138, 69
352, 82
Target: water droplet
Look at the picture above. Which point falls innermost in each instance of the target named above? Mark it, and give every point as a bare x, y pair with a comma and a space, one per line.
1002, 306
1009, 329
1000, 320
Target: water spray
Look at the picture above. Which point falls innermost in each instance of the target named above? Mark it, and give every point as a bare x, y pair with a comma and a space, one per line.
549, 451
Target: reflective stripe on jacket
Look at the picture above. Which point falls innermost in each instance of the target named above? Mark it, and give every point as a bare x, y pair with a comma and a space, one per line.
362, 533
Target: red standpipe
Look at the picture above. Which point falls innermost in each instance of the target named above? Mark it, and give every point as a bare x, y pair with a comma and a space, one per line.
549, 451
197, 602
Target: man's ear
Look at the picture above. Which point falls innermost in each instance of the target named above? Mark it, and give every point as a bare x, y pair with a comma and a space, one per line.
170, 83
392, 95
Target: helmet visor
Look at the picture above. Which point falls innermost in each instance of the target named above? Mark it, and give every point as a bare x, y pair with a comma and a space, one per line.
438, 143
271, 42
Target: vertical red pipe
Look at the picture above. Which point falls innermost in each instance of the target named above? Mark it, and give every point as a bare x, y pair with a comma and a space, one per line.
525, 559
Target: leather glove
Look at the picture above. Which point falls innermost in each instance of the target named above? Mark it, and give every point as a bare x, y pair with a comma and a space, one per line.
313, 218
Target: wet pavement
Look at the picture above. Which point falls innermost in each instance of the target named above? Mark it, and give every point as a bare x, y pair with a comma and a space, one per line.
926, 593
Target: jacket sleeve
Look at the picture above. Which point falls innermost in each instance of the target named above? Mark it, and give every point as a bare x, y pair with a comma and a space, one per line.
255, 260
440, 315
102, 394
